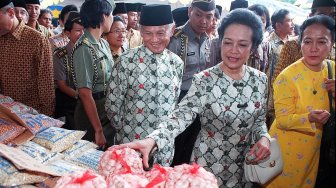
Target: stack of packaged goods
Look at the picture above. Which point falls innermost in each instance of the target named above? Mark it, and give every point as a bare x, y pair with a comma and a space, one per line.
36, 152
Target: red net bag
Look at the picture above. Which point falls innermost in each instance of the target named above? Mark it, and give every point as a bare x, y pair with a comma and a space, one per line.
120, 161
126, 181
158, 176
186, 176
87, 179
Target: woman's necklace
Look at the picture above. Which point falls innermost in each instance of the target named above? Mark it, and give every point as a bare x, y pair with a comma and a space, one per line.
316, 80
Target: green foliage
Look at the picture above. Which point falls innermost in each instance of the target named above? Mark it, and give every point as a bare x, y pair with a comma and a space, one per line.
288, 1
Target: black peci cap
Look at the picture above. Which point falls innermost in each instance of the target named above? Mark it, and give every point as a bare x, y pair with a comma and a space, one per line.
4, 3
180, 16
33, 2
323, 3
131, 7
156, 15
20, 3
238, 4
120, 9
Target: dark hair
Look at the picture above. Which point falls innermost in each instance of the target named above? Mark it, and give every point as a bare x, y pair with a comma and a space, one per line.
92, 12
324, 20
44, 11
65, 10
118, 19
261, 10
279, 16
296, 29
244, 17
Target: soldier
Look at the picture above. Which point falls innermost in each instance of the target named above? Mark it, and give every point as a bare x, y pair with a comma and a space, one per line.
145, 83
26, 72
91, 65
66, 94
61, 39
192, 44
133, 36
33, 8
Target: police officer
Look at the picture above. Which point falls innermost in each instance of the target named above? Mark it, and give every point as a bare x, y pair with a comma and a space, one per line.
66, 94
192, 44
91, 67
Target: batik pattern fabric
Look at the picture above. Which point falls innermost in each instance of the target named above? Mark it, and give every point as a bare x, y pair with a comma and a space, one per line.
299, 139
232, 112
260, 57
144, 88
26, 69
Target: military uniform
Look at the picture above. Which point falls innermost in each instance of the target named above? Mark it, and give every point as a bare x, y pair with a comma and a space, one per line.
65, 104
91, 67
195, 52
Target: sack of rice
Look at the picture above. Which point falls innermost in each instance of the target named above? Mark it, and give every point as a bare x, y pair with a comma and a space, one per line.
38, 123
11, 176
87, 159
87, 179
79, 147
57, 139
9, 129
38, 152
63, 167
18, 108
187, 176
4, 98
116, 161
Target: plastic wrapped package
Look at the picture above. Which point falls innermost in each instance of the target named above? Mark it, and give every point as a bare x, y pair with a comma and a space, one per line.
80, 147
64, 167
187, 176
116, 161
38, 152
126, 181
10, 176
87, 159
57, 139
9, 129
18, 108
87, 179
4, 98
40, 122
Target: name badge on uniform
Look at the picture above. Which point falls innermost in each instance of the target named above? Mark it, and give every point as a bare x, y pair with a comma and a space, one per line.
190, 53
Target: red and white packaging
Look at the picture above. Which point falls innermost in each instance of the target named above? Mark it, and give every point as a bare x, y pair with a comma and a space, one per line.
120, 161
127, 181
187, 176
87, 179
158, 176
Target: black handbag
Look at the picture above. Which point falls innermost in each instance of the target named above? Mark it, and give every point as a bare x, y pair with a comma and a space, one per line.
326, 171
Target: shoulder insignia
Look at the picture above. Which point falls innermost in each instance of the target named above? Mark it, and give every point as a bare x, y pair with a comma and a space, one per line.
60, 52
177, 33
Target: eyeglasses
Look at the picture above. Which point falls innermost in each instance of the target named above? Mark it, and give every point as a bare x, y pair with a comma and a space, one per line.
118, 31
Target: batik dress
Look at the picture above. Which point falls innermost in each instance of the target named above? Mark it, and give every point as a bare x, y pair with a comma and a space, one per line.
144, 87
297, 91
231, 113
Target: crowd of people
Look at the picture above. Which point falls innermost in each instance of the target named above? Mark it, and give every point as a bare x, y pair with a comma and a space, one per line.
188, 85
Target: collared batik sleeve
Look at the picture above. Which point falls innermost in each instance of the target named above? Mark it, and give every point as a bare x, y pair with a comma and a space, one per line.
178, 121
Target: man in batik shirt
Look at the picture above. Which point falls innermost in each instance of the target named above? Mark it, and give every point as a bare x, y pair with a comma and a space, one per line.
26, 69
145, 83
282, 22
